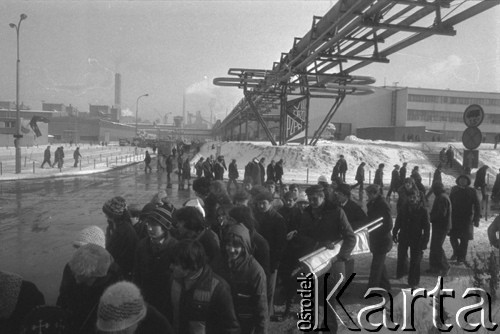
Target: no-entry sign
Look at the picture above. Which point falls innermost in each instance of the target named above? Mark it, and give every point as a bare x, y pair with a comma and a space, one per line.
473, 115
471, 138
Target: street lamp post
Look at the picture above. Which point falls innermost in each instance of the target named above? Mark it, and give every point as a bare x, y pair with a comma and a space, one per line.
137, 112
17, 135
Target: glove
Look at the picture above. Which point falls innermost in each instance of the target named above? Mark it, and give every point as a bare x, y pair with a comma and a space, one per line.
330, 245
476, 223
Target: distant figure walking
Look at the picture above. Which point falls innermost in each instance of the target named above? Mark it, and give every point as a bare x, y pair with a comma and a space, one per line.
76, 156
147, 163
278, 172
449, 157
360, 178
342, 163
46, 157
379, 177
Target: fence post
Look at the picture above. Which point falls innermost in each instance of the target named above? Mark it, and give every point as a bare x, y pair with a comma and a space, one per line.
430, 181
25, 159
107, 165
33, 167
94, 163
1, 169
369, 177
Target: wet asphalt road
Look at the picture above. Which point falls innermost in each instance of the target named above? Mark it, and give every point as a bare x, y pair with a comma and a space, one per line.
39, 219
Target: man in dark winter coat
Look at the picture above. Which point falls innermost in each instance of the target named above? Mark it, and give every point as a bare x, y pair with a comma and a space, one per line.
480, 180
380, 238
342, 164
200, 300
402, 172
169, 162
271, 172
46, 157
360, 178
199, 167
153, 258
435, 179
272, 226
325, 223
208, 171
121, 238
233, 174
411, 230
355, 215
278, 172
450, 155
77, 156
255, 172
466, 212
395, 182
440, 217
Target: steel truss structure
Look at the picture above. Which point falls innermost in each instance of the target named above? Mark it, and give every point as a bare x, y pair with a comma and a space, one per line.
351, 35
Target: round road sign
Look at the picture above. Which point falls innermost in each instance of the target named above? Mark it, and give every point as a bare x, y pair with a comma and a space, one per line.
473, 116
471, 138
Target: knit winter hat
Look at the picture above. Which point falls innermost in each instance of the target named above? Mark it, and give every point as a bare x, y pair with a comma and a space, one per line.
120, 307
90, 235
10, 286
115, 207
90, 261
161, 216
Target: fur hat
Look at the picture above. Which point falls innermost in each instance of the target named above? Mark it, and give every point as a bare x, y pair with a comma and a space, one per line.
120, 307
47, 319
161, 216
322, 179
10, 286
90, 235
115, 207
90, 261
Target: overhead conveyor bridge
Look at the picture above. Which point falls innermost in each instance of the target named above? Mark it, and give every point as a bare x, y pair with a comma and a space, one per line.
350, 36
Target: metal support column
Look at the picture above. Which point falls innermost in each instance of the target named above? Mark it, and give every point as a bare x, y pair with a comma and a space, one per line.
259, 118
328, 117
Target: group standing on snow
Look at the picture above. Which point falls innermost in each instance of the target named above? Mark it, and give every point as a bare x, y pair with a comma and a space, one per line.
222, 262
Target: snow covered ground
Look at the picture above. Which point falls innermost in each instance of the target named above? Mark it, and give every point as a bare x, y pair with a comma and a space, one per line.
304, 164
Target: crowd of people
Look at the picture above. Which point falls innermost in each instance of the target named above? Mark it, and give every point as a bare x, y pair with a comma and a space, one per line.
225, 259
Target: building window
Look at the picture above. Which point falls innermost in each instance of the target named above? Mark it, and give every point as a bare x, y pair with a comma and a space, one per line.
7, 124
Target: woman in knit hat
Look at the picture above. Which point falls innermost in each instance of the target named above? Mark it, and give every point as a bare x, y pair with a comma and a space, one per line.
123, 310
153, 256
246, 279
90, 271
17, 298
121, 238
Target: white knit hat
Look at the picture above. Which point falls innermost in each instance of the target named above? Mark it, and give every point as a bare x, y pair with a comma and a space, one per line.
120, 307
322, 178
91, 235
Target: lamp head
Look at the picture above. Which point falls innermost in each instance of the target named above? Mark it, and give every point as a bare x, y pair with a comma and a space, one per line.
12, 25
24, 17
146, 94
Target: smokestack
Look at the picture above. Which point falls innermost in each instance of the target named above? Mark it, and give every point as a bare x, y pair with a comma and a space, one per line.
118, 90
